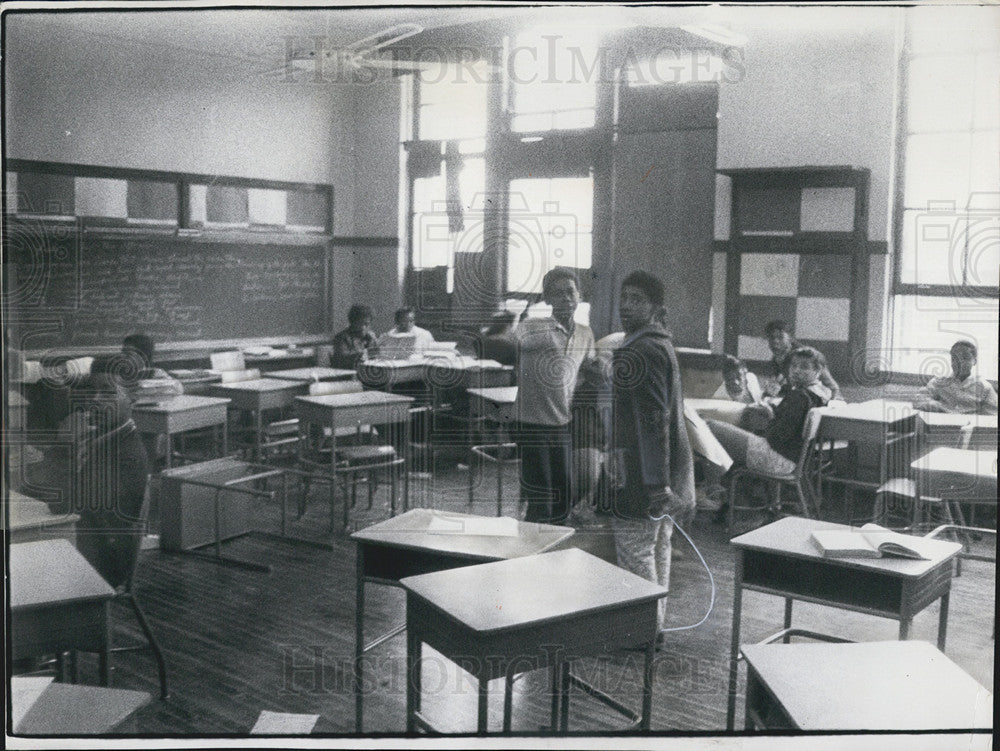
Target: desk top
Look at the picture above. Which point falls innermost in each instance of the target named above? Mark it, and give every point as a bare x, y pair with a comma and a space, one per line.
179, 403
496, 394
355, 399
28, 513
956, 420
893, 685
50, 572
790, 536
276, 355
966, 462
65, 709
467, 363
460, 535
531, 590
260, 385
880, 411
312, 374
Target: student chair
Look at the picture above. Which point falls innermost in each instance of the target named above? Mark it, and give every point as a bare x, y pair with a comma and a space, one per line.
801, 478
224, 361
359, 458
114, 553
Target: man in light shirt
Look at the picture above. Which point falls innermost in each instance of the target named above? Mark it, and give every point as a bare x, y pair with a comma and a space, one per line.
550, 352
406, 320
960, 392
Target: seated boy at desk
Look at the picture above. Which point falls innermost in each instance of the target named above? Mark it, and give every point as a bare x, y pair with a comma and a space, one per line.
134, 368
960, 392
406, 320
355, 343
738, 383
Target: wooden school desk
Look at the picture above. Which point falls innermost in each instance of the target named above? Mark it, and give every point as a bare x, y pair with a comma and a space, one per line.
335, 411
387, 374
867, 686
966, 475
281, 359
313, 374
58, 603
885, 429
780, 559
945, 429
498, 619
424, 540
65, 709
178, 414
31, 520
258, 396
723, 410
496, 404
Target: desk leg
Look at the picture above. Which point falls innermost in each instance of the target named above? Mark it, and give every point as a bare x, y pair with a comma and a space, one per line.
734, 646
359, 636
170, 449
904, 629
943, 620
556, 685
484, 695
258, 429
564, 696
788, 618
102, 657
412, 678
647, 688
508, 699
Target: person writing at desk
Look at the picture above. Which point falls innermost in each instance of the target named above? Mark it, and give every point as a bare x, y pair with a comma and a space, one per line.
406, 320
355, 343
550, 352
141, 379
960, 392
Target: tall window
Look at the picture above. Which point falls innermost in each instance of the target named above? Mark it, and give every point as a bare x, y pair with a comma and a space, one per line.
553, 79
446, 166
549, 224
947, 266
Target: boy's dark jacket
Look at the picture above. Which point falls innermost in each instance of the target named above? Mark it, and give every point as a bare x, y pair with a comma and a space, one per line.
650, 439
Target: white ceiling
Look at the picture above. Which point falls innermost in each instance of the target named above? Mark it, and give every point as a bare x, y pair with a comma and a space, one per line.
239, 35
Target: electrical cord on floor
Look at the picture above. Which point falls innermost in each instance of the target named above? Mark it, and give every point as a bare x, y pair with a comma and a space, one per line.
711, 579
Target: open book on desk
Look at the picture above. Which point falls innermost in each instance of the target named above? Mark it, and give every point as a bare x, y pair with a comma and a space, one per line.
872, 541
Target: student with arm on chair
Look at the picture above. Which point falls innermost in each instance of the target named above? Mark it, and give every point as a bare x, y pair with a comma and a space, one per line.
355, 343
781, 344
960, 392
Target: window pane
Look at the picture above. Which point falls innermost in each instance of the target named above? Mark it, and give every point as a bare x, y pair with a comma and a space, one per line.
554, 71
987, 105
937, 169
926, 327
985, 168
933, 249
939, 93
983, 250
549, 224
452, 103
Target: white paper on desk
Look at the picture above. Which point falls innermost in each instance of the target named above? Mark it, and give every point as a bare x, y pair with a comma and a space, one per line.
489, 526
24, 692
284, 723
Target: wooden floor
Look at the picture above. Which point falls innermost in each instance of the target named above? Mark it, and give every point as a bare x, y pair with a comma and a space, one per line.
239, 642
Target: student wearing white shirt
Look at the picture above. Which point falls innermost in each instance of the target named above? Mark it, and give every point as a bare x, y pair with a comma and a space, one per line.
960, 392
549, 354
406, 326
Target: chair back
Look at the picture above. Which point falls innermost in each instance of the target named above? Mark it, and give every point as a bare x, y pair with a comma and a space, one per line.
324, 388
810, 428
223, 361
235, 376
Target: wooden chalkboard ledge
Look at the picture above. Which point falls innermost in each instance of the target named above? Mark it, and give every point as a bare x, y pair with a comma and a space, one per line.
179, 351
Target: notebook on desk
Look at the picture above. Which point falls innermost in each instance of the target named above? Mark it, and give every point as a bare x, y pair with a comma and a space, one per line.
397, 346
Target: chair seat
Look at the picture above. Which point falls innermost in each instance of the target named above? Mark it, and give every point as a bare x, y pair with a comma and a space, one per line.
767, 475
899, 486
355, 455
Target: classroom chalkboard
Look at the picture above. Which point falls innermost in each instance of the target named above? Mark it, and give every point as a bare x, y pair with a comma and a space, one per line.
94, 289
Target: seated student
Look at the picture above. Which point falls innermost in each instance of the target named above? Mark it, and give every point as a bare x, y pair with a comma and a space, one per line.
738, 383
960, 392
134, 369
498, 340
781, 344
777, 451
355, 343
406, 326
